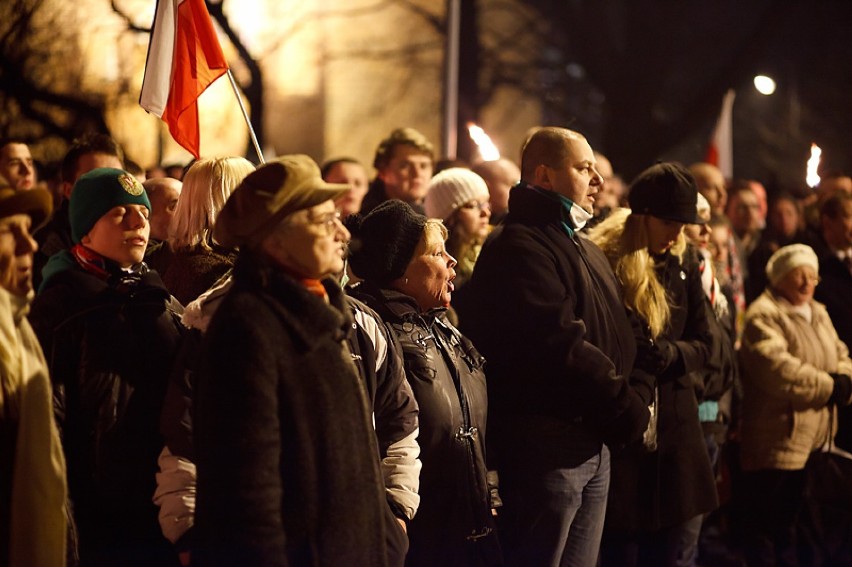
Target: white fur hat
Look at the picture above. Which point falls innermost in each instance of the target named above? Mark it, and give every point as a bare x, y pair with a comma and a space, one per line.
452, 188
788, 258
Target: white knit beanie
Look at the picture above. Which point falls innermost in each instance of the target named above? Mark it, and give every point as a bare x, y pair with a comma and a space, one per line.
452, 188
788, 258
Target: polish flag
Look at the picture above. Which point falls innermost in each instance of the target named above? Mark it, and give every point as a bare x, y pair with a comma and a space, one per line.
720, 151
184, 58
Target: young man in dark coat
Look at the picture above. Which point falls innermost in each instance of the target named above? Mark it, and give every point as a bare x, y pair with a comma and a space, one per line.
544, 308
109, 330
286, 453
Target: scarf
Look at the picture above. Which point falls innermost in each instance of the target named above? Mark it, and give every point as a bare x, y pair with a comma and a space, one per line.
36, 522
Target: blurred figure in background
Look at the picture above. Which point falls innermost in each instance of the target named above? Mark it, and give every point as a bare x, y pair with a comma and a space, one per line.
500, 176
711, 183
782, 228
460, 199
163, 192
351, 172
16, 164
404, 164
794, 369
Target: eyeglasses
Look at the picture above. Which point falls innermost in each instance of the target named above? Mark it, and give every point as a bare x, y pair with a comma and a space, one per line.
470, 205
329, 223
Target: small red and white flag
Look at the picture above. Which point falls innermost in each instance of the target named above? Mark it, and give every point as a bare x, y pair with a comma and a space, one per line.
184, 58
720, 151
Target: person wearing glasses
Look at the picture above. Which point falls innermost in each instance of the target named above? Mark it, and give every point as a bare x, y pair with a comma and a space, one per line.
407, 278
288, 468
795, 370
460, 198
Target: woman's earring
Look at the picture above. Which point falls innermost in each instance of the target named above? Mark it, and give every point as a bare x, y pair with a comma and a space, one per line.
406, 281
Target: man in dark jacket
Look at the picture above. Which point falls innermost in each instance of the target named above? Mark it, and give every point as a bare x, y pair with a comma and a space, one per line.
544, 308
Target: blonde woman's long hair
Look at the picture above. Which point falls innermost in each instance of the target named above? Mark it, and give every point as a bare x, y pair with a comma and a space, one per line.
206, 187
623, 237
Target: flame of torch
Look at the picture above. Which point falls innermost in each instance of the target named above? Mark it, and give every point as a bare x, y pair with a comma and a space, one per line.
812, 177
487, 150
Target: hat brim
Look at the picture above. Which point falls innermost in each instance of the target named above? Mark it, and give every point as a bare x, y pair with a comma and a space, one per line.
37, 203
320, 192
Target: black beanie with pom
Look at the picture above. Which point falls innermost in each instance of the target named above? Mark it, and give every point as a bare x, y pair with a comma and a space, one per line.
384, 241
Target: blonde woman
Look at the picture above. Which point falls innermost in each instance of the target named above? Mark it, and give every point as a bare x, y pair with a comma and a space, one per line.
198, 260
460, 198
654, 494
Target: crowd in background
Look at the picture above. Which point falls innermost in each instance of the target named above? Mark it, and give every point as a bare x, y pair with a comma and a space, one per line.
450, 364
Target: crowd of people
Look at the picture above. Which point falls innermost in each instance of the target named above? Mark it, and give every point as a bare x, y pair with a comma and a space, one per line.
530, 364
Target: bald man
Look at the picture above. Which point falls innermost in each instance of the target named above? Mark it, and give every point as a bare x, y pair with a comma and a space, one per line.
500, 176
163, 192
545, 309
711, 184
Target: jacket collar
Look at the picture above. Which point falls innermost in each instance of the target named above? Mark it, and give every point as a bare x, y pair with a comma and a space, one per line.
530, 204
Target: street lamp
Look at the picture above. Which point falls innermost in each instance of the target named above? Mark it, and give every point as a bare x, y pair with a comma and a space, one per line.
764, 85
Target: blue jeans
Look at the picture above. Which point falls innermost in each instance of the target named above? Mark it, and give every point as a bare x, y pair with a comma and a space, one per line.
690, 530
555, 517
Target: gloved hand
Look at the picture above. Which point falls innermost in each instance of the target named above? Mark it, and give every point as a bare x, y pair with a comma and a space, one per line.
657, 357
842, 392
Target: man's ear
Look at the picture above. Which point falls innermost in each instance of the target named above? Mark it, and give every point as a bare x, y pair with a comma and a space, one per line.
543, 176
66, 189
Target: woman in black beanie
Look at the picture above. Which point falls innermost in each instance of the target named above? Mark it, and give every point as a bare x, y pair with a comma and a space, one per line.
657, 492
408, 279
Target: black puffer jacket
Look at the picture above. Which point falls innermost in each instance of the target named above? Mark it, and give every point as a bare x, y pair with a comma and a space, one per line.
110, 346
454, 521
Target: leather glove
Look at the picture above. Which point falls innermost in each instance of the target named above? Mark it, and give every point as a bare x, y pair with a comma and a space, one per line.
842, 392
658, 357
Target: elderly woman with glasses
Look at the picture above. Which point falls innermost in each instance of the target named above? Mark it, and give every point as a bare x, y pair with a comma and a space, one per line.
408, 278
795, 370
288, 468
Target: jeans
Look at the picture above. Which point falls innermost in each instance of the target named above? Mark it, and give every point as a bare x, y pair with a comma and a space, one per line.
555, 517
689, 531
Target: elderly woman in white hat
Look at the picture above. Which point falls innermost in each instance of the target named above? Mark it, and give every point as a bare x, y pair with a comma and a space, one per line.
460, 198
794, 371
288, 468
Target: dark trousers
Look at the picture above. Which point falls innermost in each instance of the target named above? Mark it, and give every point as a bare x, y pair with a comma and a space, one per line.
770, 504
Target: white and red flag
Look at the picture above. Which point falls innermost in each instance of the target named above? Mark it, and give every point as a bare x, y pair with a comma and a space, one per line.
184, 58
720, 151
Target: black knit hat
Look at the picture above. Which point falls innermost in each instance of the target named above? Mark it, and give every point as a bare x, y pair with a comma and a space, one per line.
384, 241
667, 191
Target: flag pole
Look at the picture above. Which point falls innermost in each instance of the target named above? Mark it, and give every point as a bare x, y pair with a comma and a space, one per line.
451, 80
246, 116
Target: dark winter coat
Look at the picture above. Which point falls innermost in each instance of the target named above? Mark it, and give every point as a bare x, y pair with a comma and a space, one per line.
286, 454
192, 272
834, 291
545, 309
110, 346
454, 522
650, 491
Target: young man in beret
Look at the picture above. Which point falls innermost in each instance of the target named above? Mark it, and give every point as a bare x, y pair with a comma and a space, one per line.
109, 330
